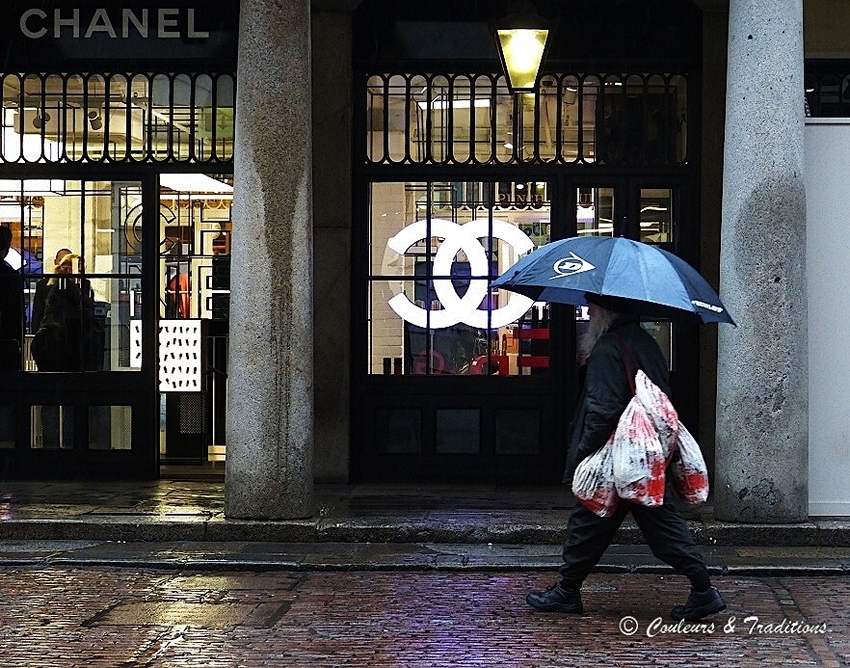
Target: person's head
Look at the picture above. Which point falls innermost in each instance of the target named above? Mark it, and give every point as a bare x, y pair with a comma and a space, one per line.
60, 254
602, 312
66, 264
5, 241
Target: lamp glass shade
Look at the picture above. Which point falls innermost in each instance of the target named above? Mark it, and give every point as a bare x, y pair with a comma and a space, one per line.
522, 53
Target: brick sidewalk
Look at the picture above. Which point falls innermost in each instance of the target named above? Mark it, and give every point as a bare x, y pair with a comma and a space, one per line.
56, 617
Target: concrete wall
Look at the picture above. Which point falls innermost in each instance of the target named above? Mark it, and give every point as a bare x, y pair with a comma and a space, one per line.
828, 275
332, 207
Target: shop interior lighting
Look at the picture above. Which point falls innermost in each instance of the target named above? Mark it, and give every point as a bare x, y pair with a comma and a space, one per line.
40, 119
32, 187
195, 183
457, 103
95, 120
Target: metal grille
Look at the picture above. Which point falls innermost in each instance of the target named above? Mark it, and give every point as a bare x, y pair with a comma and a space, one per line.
192, 413
113, 118
472, 119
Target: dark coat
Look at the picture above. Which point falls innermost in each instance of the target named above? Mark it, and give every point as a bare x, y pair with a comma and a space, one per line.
63, 323
606, 390
11, 317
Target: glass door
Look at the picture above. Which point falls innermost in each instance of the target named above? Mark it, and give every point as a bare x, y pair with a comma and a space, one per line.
194, 298
458, 380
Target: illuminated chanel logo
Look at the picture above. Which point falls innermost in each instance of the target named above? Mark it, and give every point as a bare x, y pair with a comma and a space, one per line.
457, 309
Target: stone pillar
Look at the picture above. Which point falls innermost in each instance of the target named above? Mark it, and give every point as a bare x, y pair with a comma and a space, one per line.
761, 471
269, 469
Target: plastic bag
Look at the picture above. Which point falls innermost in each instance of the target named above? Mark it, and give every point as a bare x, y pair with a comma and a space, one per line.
638, 458
688, 470
660, 410
593, 482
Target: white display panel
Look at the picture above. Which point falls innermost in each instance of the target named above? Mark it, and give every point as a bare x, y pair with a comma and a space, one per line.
179, 354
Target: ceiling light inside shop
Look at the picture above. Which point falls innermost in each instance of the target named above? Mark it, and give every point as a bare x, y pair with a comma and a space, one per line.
32, 187
194, 183
585, 214
440, 103
17, 145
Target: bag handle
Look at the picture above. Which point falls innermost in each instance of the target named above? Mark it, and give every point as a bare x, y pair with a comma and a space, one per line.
628, 360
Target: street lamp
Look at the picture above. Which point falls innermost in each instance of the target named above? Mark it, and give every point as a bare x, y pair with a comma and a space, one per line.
521, 38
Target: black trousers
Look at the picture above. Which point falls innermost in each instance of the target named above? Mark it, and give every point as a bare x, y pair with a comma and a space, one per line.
663, 528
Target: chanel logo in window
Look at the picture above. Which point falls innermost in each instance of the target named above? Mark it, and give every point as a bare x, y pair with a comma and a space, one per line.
453, 308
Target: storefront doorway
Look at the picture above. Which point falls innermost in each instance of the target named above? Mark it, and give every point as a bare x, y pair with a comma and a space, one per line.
463, 382
116, 192
118, 361
194, 274
456, 177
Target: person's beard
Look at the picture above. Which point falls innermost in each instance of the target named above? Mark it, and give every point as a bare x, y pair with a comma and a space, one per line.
597, 326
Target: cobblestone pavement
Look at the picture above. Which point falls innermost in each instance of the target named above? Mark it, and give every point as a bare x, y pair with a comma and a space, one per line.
62, 617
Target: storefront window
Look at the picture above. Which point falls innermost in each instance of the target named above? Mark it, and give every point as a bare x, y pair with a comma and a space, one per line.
656, 215
595, 211
76, 245
195, 233
572, 118
117, 118
434, 250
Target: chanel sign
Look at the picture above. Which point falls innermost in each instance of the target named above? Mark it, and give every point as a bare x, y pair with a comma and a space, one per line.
461, 238
48, 35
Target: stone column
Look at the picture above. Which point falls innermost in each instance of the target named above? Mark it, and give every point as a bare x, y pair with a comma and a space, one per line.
269, 469
761, 473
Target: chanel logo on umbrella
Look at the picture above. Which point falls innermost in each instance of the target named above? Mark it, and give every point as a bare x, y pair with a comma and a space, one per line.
457, 238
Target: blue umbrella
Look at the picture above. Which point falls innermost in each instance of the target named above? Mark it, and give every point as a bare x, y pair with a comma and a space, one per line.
642, 278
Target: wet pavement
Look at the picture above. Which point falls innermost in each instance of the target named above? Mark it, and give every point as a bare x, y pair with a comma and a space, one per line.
177, 524
97, 616
153, 575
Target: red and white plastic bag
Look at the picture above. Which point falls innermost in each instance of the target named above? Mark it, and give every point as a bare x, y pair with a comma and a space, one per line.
593, 482
688, 470
638, 457
660, 410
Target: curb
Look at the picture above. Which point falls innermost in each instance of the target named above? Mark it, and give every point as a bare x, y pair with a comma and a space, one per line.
401, 557
155, 529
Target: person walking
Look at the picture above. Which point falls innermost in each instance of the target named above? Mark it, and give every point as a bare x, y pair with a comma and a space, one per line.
614, 344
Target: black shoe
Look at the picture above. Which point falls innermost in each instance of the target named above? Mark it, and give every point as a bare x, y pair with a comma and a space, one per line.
699, 605
556, 598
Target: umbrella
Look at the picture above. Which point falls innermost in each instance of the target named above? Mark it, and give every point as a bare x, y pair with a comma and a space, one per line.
644, 279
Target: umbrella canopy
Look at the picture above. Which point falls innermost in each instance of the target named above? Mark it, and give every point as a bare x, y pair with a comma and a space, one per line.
644, 279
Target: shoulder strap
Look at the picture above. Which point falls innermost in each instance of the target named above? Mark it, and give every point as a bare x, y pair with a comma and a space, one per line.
630, 366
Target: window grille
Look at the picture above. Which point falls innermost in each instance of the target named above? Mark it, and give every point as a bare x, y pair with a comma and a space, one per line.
472, 119
117, 118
